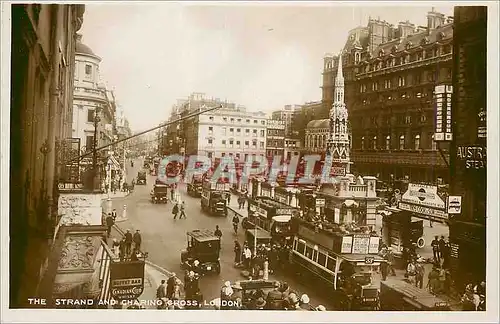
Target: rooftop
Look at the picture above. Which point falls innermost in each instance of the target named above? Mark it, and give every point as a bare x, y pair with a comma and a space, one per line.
82, 48
319, 123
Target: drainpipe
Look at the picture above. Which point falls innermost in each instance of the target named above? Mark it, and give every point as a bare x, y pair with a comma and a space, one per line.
55, 60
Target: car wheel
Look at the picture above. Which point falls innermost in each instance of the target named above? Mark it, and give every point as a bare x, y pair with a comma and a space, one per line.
420, 242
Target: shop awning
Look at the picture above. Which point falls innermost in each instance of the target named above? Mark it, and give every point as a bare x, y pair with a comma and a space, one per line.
113, 163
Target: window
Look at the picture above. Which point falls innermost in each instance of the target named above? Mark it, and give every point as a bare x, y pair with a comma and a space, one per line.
246, 145
88, 70
388, 142
261, 144
248, 120
254, 132
210, 130
209, 155
402, 142
238, 155
232, 120
401, 81
321, 259
223, 154
374, 142
309, 252
408, 120
211, 118
417, 142
89, 142
231, 142
238, 130
238, 143
224, 119
363, 143
210, 141
262, 122
223, 130
301, 247
262, 133
254, 143
247, 131
255, 121
224, 142
231, 130
331, 264
90, 115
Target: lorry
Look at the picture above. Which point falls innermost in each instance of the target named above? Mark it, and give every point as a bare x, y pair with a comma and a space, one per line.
214, 197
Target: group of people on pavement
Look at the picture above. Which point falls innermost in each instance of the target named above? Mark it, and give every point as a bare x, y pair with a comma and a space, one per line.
441, 251
169, 291
474, 297
253, 261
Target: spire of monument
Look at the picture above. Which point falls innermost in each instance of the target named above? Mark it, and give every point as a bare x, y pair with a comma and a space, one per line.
339, 79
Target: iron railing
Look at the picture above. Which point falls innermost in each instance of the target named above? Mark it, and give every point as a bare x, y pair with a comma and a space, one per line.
106, 258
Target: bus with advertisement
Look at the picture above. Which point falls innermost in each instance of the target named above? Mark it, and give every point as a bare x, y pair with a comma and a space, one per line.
342, 261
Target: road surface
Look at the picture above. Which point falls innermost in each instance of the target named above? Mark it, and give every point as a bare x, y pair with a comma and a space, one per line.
164, 238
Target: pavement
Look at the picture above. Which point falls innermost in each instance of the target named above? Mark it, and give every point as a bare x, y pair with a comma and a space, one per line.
164, 238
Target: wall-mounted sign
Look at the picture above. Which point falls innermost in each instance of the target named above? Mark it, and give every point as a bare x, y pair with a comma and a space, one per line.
454, 204
320, 202
423, 211
281, 198
423, 195
442, 130
473, 157
337, 171
127, 279
360, 244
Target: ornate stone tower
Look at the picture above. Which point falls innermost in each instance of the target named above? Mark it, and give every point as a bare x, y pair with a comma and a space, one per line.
338, 142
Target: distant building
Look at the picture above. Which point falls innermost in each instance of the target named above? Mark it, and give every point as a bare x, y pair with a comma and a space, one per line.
275, 142
309, 111
286, 115
317, 133
390, 74
293, 147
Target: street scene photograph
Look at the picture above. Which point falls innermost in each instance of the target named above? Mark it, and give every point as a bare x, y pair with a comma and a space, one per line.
198, 158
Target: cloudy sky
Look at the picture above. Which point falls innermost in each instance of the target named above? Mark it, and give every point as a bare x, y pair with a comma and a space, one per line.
262, 56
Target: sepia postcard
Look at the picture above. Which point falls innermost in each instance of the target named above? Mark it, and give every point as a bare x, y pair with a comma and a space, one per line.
234, 161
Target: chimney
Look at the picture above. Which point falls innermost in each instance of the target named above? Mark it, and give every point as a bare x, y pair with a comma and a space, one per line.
434, 20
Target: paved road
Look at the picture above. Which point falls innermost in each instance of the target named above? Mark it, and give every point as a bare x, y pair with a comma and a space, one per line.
164, 238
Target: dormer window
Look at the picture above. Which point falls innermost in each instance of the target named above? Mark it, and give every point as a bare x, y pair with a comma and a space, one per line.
424, 41
440, 36
394, 49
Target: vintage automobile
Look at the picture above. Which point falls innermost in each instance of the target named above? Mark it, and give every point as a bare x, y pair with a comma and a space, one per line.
204, 246
195, 188
214, 198
141, 177
159, 194
257, 236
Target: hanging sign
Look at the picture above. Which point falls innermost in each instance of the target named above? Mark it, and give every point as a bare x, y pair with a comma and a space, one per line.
442, 95
454, 204
423, 195
127, 279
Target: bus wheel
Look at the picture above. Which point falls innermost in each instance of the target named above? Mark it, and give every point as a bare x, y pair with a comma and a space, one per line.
420, 242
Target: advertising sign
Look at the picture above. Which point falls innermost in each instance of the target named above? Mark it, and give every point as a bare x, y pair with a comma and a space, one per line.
284, 211
360, 244
320, 202
425, 211
281, 198
374, 243
337, 171
423, 195
442, 95
346, 244
127, 279
454, 204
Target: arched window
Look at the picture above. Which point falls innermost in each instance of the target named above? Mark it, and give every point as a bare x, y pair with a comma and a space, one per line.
402, 142
417, 142
357, 57
388, 142
374, 142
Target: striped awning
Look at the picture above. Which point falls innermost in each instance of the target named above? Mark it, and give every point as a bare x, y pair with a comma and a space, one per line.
113, 163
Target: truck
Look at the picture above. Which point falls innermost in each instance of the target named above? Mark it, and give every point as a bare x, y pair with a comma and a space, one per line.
214, 197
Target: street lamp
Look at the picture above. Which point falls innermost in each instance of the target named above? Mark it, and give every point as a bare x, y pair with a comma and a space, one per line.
97, 119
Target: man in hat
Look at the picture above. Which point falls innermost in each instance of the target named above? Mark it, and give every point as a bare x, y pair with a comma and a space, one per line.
137, 240
260, 303
435, 249
274, 297
419, 273
128, 243
304, 303
161, 291
109, 223
170, 284
321, 308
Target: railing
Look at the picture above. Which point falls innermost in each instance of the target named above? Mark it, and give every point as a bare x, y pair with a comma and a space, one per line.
95, 93
358, 188
106, 258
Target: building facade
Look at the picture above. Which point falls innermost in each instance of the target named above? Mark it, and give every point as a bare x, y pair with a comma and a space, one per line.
286, 115
317, 135
43, 47
293, 147
309, 111
468, 161
275, 142
390, 75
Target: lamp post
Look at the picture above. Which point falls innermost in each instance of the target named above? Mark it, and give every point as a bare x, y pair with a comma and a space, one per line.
97, 119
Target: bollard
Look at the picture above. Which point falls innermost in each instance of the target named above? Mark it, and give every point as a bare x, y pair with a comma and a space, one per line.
124, 214
109, 205
266, 270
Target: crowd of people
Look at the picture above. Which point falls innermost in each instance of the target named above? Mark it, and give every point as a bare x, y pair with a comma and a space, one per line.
252, 260
128, 248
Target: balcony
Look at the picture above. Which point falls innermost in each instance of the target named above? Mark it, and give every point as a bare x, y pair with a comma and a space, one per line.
89, 93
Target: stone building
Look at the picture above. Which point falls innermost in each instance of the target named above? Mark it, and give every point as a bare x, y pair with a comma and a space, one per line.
390, 75
42, 72
275, 141
286, 115
468, 149
317, 133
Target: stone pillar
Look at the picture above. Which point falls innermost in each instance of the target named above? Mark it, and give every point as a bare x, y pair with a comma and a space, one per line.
371, 183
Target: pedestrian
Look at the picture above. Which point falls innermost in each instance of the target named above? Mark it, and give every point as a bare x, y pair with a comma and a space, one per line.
109, 223
228, 199
170, 284
433, 280
420, 273
218, 232
468, 301
106, 187
304, 303
411, 271
243, 200
122, 249
172, 194
247, 255
237, 252
114, 215
116, 247
161, 293
236, 221
128, 243
390, 262
383, 270
441, 244
435, 250
183, 210
137, 240
175, 210
274, 298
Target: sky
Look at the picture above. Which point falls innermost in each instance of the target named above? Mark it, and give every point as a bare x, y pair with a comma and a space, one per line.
262, 56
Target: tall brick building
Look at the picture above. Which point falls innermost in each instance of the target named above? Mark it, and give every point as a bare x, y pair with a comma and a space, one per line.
390, 74
468, 150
